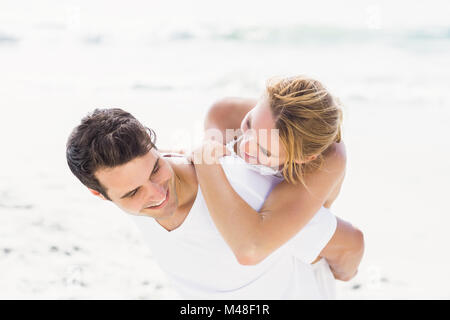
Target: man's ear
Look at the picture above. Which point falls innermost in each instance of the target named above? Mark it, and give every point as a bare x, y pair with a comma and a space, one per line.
97, 194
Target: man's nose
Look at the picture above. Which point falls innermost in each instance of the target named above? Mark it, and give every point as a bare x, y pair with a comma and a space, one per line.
156, 191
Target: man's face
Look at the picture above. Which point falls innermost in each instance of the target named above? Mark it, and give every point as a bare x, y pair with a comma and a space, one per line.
142, 186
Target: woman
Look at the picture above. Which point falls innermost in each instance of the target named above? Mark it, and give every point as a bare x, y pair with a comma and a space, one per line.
307, 152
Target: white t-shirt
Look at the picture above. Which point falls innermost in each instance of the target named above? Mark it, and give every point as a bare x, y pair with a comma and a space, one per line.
202, 266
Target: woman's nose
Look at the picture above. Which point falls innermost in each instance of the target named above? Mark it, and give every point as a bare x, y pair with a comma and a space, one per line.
249, 143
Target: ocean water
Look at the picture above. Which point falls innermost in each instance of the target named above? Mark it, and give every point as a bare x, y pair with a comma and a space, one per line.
166, 62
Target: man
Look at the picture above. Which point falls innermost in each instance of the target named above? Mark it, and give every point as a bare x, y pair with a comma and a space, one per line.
115, 156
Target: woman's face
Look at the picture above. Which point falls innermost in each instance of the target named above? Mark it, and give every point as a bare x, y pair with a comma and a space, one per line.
261, 143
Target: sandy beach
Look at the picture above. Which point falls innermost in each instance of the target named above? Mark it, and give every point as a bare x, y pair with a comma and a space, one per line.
58, 63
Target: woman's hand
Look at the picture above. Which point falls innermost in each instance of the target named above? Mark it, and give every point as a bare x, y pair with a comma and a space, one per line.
209, 153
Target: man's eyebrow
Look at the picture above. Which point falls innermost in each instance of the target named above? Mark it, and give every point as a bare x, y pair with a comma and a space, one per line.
155, 166
153, 170
129, 193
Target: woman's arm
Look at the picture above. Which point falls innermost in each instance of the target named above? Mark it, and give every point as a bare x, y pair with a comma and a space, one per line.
254, 235
227, 114
334, 194
344, 251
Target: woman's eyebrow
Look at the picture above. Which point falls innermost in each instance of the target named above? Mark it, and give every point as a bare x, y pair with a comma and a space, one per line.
265, 151
268, 153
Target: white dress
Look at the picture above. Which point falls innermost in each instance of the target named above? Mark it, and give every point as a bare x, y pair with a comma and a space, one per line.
326, 282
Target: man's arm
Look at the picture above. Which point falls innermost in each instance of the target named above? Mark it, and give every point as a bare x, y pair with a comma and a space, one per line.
344, 251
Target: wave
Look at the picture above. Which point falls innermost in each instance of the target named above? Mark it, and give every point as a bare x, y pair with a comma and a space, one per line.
151, 87
308, 34
8, 39
290, 35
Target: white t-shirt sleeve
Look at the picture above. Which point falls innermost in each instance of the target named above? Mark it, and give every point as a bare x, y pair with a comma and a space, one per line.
310, 241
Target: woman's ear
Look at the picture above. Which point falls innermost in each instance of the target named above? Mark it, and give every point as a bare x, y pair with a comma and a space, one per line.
97, 194
308, 159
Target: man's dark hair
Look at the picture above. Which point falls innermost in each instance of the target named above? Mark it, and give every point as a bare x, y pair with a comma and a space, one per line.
106, 138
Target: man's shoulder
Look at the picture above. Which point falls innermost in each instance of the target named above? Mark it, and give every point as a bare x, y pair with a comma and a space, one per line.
183, 168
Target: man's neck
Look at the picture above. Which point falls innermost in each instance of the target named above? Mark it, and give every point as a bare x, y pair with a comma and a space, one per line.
186, 185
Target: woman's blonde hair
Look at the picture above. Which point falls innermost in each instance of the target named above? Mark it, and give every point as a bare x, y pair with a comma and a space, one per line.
309, 120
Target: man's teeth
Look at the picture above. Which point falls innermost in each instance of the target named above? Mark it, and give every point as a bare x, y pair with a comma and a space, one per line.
157, 204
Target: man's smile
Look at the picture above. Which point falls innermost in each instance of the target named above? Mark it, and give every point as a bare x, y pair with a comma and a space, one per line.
160, 204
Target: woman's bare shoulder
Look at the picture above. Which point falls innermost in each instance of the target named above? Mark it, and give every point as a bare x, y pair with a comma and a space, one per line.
335, 157
333, 168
